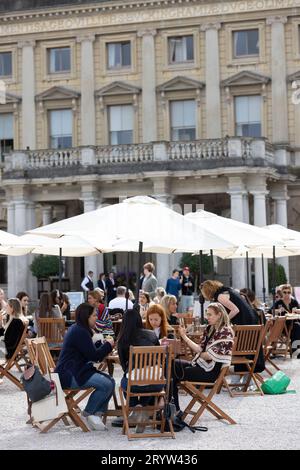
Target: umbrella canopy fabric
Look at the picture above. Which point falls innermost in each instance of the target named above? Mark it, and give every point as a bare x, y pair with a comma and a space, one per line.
234, 231
69, 246
7, 238
120, 227
291, 238
256, 252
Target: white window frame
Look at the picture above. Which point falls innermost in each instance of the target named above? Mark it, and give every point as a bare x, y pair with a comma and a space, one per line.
188, 65
49, 111
109, 126
121, 66
248, 122
56, 72
183, 39
172, 128
234, 47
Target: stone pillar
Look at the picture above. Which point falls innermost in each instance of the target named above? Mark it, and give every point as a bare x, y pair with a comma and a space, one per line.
47, 215
237, 206
88, 113
164, 263
11, 260
149, 86
28, 95
24, 220
90, 203
213, 97
281, 197
260, 219
279, 84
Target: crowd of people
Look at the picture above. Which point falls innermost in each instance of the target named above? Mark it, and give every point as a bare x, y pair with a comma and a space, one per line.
147, 321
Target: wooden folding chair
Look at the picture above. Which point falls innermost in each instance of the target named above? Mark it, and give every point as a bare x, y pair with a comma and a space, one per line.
275, 329
38, 348
247, 343
53, 329
148, 366
196, 391
5, 368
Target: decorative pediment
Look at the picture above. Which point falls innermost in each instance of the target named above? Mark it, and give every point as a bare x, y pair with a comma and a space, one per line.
180, 83
12, 98
293, 77
57, 93
245, 78
118, 88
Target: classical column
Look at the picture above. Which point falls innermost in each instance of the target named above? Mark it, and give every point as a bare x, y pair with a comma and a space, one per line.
149, 85
279, 84
88, 113
92, 263
212, 72
164, 263
24, 220
28, 95
11, 260
260, 219
281, 197
47, 215
237, 205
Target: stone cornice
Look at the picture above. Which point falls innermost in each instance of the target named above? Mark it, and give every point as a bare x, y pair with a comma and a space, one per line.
63, 18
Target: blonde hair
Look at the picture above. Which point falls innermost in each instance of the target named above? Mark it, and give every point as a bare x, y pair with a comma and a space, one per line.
209, 288
224, 317
96, 295
165, 303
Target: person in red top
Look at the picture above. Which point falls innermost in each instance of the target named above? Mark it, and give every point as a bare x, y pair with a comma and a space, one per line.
104, 323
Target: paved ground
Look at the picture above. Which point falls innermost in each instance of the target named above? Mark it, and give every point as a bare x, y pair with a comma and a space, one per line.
269, 422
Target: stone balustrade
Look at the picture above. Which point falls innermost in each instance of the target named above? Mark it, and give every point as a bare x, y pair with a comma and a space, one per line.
205, 149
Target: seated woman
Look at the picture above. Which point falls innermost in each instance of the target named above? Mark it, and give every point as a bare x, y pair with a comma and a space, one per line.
65, 306
14, 327
169, 303
24, 300
104, 324
145, 302
253, 301
213, 352
75, 365
132, 333
156, 320
287, 304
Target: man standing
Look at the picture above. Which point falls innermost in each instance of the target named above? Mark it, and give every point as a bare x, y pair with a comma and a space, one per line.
111, 287
87, 283
149, 282
187, 283
173, 284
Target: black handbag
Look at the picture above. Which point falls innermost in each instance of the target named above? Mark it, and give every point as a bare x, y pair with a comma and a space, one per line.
35, 384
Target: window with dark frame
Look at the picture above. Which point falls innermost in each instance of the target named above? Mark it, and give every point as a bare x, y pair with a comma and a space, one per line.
59, 60
118, 55
181, 49
120, 124
6, 133
246, 43
5, 64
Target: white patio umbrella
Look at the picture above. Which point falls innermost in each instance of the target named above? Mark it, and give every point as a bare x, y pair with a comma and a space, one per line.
7, 238
137, 224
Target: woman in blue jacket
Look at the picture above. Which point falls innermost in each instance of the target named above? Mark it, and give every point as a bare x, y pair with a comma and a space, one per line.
75, 365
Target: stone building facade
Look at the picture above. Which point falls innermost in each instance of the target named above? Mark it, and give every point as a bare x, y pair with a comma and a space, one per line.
192, 102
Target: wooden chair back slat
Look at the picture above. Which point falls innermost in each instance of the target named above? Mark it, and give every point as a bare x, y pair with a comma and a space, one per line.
147, 365
246, 340
53, 329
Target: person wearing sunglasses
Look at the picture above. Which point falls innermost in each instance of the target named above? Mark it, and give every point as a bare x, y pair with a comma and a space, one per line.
288, 304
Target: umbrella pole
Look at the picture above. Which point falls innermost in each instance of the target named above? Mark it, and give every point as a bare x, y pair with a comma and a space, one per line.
201, 298
247, 267
263, 277
127, 289
60, 271
137, 291
274, 281
212, 264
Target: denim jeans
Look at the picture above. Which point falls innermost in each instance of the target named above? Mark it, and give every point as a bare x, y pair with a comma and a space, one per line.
99, 399
144, 401
187, 301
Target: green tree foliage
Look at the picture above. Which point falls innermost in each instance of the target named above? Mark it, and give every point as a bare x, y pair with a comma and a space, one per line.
45, 266
280, 275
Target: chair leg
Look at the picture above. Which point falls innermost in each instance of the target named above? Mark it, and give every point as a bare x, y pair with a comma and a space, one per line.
125, 417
